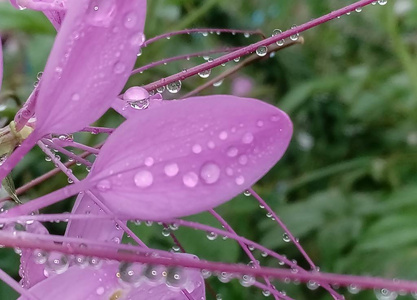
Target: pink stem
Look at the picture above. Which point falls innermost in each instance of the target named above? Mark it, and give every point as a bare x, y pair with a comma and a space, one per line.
284, 227
66, 152
97, 130
252, 48
83, 147
182, 57
197, 30
343, 280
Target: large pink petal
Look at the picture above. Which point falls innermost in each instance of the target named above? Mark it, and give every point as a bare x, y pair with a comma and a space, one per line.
103, 283
188, 156
90, 62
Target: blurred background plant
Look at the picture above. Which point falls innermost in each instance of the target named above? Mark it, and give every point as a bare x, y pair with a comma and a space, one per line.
347, 186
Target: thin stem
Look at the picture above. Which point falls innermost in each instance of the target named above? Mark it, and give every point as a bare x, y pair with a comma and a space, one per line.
201, 30
252, 58
97, 130
363, 282
182, 57
66, 152
252, 48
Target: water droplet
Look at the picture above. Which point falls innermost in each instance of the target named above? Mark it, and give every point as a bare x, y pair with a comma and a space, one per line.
247, 138
277, 32
358, 9
232, 152
101, 13
205, 273
56, 263
166, 232
175, 277
247, 280
130, 273
286, 238
130, 20
137, 97
204, 73
174, 87
382, 2
94, 262
190, 179
210, 173
353, 289
385, 294
100, 291
153, 273
211, 145
312, 285
149, 161
104, 185
237, 59
240, 180
40, 256
171, 169
259, 123
223, 135
75, 97
119, 68
247, 193
295, 36
243, 160
262, 51
224, 277
143, 179
197, 149
275, 118
266, 293
218, 83
137, 39
246, 34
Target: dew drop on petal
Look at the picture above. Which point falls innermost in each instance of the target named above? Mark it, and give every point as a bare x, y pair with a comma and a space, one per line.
75, 97
137, 97
171, 170
143, 179
190, 179
130, 20
243, 160
223, 135
240, 180
101, 12
196, 148
119, 68
104, 185
210, 173
149, 161
247, 138
232, 152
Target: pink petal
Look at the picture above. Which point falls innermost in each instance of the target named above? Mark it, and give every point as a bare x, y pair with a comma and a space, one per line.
90, 62
101, 230
30, 271
188, 156
103, 283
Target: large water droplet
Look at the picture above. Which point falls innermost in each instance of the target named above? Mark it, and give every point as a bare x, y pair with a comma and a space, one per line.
210, 173
130, 272
223, 135
153, 273
382, 2
171, 169
149, 161
196, 149
101, 12
137, 39
57, 263
176, 277
295, 36
137, 97
204, 73
262, 51
243, 160
286, 238
174, 87
190, 179
143, 179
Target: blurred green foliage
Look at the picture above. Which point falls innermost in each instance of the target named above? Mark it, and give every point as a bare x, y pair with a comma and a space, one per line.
347, 186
